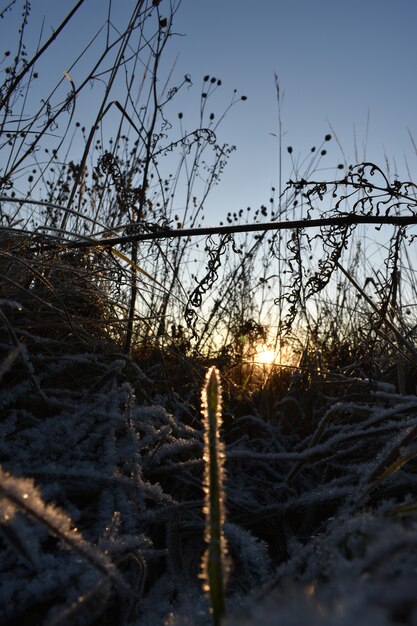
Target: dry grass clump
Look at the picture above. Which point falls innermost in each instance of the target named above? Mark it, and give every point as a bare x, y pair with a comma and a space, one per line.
51, 292
116, 443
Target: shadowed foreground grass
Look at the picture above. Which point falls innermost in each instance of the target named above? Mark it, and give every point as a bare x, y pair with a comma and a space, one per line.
102, 474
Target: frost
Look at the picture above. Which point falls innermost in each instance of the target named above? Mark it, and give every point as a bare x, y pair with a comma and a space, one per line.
253, 562
313, 538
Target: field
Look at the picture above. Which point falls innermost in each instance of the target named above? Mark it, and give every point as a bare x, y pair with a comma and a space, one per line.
199, 424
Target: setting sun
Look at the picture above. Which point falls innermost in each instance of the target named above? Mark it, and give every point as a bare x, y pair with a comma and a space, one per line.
264, 356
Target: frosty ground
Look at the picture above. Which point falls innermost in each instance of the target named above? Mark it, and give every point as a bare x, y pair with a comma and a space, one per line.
102, 501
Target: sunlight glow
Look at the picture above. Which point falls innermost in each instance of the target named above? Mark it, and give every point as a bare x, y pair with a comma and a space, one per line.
264, 356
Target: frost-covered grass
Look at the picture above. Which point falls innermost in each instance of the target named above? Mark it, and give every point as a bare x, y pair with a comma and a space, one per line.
104, 518
102, 491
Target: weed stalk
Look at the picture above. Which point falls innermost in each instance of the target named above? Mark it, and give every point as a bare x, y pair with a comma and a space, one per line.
214, 563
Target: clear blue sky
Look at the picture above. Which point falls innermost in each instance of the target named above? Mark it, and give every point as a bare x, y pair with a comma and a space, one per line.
338, 63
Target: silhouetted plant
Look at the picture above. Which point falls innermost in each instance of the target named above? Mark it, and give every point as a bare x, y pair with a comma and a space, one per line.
102, 451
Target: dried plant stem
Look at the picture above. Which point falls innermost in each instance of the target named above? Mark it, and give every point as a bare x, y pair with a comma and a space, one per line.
399, 336
27, 67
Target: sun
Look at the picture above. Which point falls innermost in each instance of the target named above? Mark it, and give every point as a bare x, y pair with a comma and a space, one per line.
264, 355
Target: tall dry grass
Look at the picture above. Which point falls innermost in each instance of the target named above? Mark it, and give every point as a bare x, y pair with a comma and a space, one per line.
104, 349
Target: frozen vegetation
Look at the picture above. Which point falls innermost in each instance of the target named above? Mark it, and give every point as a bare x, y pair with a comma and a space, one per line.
110, 317
102, 500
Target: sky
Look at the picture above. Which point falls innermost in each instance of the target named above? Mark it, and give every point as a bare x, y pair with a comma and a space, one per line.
345, 65
343, 68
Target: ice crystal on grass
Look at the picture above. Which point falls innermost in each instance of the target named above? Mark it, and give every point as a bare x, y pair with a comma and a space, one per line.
26, 523
129, 477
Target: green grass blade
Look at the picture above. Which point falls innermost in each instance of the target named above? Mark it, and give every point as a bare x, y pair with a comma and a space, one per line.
214, 568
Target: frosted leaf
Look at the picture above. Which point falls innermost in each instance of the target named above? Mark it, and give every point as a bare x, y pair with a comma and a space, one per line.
254, 565
175, 448
22, 495
152, 414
